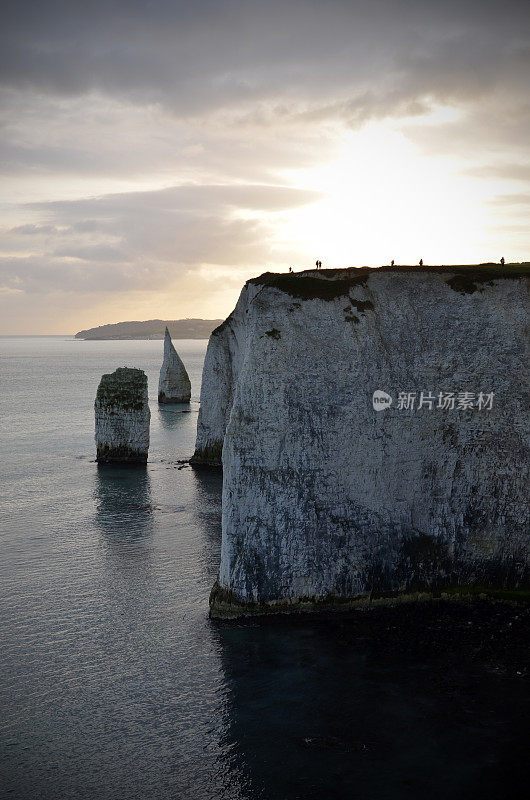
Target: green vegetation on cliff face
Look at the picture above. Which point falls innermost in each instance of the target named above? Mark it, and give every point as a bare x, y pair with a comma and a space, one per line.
153, 329
122, 390
305, 287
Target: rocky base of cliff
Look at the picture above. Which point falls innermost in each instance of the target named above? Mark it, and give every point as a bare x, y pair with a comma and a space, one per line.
210, 457
485, 626
225, 605
120, 455
164, 399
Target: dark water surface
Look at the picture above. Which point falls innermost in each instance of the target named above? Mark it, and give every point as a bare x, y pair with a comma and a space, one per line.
116, 685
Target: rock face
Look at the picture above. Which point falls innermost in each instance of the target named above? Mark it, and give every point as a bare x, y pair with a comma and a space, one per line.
331, 497
122, 417
174, 385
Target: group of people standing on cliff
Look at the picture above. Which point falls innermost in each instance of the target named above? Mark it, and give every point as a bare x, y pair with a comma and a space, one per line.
318, 264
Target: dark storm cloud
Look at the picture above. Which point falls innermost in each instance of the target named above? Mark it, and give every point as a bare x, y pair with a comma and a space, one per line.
206, 55
243, 86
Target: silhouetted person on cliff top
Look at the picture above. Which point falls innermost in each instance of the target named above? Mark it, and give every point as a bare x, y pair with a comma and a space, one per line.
421, 262
502, 261
392, 263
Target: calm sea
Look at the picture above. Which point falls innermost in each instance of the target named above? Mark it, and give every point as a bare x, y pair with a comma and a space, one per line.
115, 684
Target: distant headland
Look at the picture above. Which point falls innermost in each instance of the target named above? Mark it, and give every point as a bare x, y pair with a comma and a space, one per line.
153, 329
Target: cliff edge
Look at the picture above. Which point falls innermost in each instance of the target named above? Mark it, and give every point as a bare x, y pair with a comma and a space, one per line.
372, 426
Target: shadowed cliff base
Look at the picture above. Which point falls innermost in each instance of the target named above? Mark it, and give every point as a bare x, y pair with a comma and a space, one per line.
421, 700
122, 455
225, 605
208, 457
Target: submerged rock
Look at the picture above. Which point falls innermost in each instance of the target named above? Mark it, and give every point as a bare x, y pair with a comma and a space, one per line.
122, 417
364, 454
174, 385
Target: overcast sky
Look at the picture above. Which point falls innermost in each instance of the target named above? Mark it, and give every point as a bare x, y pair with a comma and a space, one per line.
156, 154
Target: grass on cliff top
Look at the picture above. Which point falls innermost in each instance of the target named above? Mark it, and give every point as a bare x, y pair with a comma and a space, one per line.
124, 387
333, 283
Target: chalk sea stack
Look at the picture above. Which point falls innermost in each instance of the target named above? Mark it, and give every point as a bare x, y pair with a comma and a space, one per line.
122, 417
331, 501
174, 384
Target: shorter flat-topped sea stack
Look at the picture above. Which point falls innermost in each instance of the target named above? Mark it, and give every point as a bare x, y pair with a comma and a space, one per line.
122, 417
174, 385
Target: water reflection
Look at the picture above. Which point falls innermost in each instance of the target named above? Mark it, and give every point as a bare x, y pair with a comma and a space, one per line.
206, 511
171, 415
316, 710
124, 509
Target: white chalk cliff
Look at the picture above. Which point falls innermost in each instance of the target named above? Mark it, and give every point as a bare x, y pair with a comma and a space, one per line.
328, 501
174, 384
122, 417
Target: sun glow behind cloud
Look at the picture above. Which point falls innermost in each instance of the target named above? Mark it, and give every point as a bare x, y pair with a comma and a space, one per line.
385, 200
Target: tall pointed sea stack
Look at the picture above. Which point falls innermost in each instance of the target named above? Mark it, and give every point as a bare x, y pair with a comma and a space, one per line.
122, 417
174, 385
